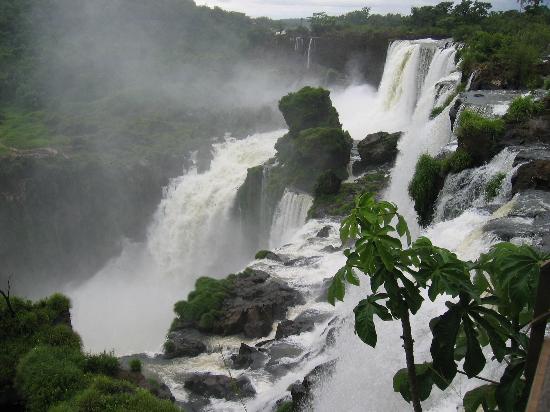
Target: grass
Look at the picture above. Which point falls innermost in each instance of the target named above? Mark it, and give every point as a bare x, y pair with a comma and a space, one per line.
202, 304
522, 109
494, 186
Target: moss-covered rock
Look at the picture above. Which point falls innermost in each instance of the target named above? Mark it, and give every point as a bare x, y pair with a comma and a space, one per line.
378, 148
342, 202
533, 175
429, 178
245, 303
328, 184
479, 136
309, 108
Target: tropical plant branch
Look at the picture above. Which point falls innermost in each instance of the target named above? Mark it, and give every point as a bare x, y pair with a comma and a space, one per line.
6, 296
481, 378
408, 344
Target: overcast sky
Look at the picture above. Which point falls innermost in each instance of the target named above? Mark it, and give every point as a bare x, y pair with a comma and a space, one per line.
292, 8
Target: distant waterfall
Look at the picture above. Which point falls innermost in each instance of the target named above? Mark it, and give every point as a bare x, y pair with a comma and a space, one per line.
127, 306
290, 216
310, 49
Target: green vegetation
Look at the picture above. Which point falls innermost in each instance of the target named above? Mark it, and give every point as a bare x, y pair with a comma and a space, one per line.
494, 186
491, 298
522, 109
429, 177
202, 304
42, 366
425, 186
287, 406
504, 48
479, 136
262, 254
309, 108
439, 109
342, 202
327, 184
110, 395
135, 365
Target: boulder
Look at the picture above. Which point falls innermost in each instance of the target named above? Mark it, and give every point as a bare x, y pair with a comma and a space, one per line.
266, 254
328, 184
308, 108
324, 232
254, 302
378, 148
302, 391
304, 322
219, 386
248, 357
183, 342
533, 175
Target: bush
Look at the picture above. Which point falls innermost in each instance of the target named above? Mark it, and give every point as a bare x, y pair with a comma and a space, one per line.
308, 108
103, 364
328, 184
110, 395
46, 322
48, 374
261, 254
203, 303
456, 162
287, 406
493, 187
478, 136
425, 186
135, 365
522, 109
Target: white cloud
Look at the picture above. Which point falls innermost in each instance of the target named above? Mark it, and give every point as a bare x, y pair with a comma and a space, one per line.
290, 8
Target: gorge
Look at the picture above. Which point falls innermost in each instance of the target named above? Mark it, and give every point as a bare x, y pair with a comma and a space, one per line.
214, 273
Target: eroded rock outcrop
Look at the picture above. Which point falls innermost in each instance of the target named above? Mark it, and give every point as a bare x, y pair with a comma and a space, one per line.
219, 386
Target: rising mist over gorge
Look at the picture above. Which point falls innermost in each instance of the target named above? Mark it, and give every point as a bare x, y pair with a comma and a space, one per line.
120, 93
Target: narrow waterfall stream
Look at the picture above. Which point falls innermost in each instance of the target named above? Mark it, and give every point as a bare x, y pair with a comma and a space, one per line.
290, 216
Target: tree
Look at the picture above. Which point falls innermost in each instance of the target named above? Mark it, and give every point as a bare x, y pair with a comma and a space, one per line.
492, 303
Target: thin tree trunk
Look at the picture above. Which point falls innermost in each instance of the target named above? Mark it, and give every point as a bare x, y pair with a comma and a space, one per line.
408, 344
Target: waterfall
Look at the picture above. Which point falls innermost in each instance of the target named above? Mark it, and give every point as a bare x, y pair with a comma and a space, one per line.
290, 215
310, 49
467, 188
127, 306
417, 76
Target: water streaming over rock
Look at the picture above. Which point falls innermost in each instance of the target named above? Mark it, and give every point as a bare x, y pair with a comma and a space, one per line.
290, 216
418, 76
127, 306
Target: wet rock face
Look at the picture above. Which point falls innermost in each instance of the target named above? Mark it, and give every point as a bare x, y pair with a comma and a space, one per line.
528, 219
305, 322
248, 357
302, 391
324, 232
254, 303
533, 175
183, 342
376, 149
219, 386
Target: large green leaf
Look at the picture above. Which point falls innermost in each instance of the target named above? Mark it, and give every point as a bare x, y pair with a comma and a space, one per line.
424, 381
337, 289
483, 396
364, 318
445, 330
509, 390
474, 361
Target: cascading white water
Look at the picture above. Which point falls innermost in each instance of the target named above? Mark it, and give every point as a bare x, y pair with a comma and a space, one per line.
310, 48
289, 217
423, 135
127, 306
467, 188
363, 376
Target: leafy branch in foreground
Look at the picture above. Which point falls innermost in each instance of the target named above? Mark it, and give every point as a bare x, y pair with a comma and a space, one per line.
490, 300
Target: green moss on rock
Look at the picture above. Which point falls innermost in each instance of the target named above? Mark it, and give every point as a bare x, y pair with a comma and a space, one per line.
203, 303
493, 187
342, 202
479, 136
309, 108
